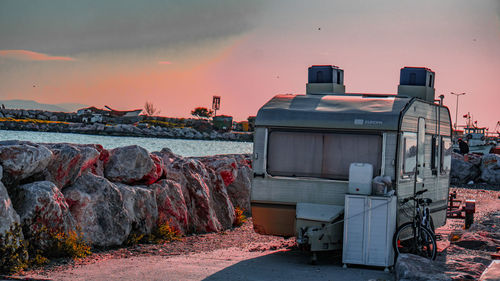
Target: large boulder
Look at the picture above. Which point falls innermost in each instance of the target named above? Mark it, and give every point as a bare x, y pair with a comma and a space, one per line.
21, 160
133, 164
172, 207
235, 172
42, 204
239, 191
69, 162
140, 204
193, 179
412, 267
490, 168
461, 171
8, 215
97, 206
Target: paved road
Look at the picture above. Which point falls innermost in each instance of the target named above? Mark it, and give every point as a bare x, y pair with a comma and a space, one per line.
226, 264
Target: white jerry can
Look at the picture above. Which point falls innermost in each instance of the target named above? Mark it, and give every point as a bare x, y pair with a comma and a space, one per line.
360, 178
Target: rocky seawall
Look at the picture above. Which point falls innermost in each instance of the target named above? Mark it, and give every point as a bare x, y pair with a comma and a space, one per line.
474, 169
141, 130
109, 194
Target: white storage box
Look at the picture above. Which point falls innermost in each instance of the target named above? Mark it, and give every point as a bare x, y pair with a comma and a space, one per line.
369, 224
360, 178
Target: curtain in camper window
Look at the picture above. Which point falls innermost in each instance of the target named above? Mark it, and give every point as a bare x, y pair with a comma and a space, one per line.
324, 155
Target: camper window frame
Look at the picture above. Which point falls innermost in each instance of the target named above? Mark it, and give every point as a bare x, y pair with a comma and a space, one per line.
443, 154
407, 174
376, 171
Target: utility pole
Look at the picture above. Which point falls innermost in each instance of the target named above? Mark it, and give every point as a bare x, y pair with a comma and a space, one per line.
456, 110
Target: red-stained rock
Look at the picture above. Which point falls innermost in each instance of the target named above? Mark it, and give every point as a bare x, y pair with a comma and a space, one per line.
97, 206
21, 160
132, 165
42, 204
196, 189
156, 172
8, 216
69, 162
205, 194
239, 191
140, 204
235, 171
172, 207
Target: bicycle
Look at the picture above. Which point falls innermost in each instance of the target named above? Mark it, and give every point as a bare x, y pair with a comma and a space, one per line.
417, 237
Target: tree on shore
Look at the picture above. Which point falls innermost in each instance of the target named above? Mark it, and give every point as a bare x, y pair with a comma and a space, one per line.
202, 112
150, 109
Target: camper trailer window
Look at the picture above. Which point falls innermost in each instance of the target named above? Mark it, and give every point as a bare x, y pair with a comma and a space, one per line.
321, 155
409, 154
445, 155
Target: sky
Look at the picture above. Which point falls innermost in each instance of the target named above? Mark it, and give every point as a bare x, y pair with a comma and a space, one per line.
178, 54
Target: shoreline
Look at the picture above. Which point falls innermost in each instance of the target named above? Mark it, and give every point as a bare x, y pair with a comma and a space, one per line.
126, 130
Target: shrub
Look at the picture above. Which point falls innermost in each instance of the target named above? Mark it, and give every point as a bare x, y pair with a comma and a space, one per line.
13, 253
164, 233
70, 244
239, 217
163, 124
29, 120
44, 242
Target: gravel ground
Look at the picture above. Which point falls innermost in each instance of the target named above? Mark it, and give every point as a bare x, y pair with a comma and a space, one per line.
463, 259
468, 256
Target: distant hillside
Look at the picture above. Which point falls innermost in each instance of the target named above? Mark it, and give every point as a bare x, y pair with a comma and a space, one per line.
30, 104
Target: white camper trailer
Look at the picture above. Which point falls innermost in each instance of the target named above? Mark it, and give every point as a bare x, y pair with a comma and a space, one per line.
305, 145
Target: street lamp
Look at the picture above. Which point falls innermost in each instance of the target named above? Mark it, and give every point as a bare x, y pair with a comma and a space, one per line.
456, 110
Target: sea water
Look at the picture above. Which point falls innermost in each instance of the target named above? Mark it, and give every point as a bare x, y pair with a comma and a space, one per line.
178, 146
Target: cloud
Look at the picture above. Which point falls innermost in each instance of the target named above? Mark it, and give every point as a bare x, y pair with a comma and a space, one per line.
26, 55
74, 27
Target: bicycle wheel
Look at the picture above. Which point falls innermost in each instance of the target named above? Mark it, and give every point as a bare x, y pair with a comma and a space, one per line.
414, 240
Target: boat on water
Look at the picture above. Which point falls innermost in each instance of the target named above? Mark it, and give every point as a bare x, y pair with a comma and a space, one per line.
477, 141
476, 137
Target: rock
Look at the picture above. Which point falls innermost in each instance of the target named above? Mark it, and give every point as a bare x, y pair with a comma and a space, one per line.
97, 206
476, 240
412, 267
21, 160
235, 172
42, 203
69, 162
193, 180
8, 216
462, 171
490, 168
492, 272
474, 159
239, 191
133, 164
172, 207
140, 204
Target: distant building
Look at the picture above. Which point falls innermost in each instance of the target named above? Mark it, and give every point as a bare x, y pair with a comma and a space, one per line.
223, 122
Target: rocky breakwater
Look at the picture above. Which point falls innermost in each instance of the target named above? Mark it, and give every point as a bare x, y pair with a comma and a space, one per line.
110, 194
139, 130
475, 169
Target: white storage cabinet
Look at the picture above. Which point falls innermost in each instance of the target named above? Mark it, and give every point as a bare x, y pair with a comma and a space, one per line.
369, 225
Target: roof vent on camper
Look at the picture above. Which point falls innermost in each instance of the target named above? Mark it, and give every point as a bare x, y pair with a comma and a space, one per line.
417, 82
324, 80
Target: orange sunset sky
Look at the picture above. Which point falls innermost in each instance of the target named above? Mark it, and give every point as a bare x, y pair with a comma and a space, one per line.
178, 54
